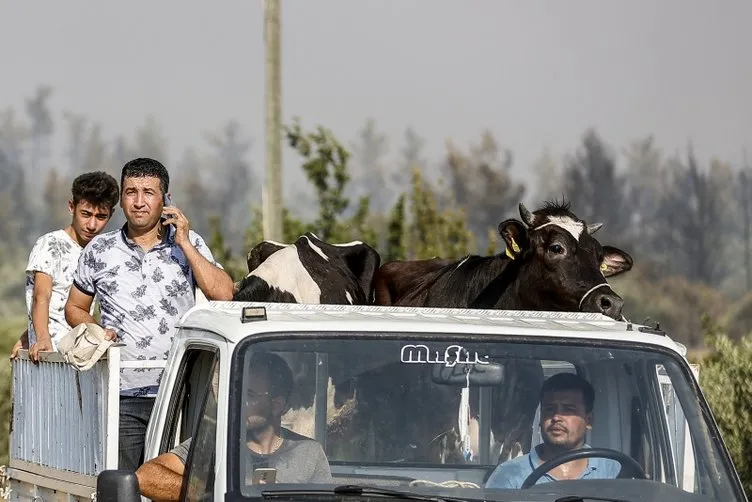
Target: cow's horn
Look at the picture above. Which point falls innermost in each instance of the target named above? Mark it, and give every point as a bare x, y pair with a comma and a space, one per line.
527, 217
594, 227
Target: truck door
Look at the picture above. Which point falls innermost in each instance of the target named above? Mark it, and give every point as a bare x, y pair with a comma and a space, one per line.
191, 418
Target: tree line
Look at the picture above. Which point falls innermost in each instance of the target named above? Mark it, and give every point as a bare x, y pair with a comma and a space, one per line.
687, 225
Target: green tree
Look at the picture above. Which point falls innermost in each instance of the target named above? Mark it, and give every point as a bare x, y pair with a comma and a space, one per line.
292, 228
231, 181
481, 182
326, 165
56, 195
369, 172
41, 130
76, 139
434, 233
724, 376
233, 265
595, 187
395, 244
150, 141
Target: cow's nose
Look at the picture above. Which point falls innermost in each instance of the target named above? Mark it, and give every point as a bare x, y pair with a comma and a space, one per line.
610, 304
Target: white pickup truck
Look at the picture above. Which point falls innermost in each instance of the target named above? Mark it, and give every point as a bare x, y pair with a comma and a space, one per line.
412, 403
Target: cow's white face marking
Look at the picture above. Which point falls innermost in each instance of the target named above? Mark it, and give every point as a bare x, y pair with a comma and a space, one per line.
317, 249
285, 271
574, 227
349, 297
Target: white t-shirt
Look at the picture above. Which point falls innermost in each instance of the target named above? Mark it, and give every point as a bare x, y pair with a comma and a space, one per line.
56, 254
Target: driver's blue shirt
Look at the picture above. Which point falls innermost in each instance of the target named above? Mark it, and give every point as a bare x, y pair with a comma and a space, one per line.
513, 473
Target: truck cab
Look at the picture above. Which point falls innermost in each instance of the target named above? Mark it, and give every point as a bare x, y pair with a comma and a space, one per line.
405, 403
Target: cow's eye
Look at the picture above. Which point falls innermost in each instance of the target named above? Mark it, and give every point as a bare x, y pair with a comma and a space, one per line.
556, 248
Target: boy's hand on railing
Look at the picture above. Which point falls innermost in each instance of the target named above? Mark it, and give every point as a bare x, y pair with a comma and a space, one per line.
22, 343
39, 346
14, 351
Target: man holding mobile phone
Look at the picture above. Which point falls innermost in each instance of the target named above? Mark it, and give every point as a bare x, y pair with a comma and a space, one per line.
145, 276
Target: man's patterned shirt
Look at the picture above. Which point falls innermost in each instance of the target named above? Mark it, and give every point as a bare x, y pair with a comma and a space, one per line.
141, 296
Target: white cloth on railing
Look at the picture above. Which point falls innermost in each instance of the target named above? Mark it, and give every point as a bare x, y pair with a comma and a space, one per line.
84, 345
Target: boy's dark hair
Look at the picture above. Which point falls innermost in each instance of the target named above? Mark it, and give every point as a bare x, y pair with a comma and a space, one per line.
569, 381
143, 167
97, 188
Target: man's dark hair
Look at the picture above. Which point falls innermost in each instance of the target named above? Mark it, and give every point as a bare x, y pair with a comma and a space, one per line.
97, 188
562, 382
143, 167
276, 370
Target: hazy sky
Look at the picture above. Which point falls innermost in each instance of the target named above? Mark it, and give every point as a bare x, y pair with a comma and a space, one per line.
537, 73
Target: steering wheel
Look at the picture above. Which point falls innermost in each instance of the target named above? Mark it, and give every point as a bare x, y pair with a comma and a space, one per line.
623, 459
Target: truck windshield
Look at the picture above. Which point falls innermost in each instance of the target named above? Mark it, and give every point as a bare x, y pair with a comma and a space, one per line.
470, 414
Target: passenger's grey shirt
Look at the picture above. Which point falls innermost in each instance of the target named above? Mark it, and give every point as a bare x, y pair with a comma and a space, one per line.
141, 296
298, 460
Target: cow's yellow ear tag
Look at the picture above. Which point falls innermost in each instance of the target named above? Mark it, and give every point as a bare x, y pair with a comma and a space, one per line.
604, 267
515, 248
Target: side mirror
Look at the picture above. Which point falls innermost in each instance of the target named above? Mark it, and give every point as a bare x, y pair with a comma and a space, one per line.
116, 485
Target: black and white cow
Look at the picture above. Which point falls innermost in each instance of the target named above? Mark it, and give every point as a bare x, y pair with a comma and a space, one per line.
552, 262
310, 271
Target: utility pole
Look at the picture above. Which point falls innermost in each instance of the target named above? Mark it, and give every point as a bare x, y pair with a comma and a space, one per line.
272, 195
745, 202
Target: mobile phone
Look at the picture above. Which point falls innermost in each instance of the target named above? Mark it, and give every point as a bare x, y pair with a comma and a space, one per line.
264, 475
167, 202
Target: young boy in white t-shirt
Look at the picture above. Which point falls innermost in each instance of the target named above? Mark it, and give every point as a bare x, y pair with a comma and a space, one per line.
54, 258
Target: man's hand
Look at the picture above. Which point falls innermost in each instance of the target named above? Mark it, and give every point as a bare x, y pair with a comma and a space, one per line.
42, 345
110, 334
174, 216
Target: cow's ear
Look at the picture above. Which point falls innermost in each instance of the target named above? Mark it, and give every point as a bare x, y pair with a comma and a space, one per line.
261, 252
615, 261
514, 234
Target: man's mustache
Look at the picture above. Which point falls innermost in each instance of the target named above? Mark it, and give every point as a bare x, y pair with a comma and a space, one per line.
556, 427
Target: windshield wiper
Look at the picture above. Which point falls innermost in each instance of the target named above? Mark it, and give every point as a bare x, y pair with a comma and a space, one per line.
581, 498
358, 490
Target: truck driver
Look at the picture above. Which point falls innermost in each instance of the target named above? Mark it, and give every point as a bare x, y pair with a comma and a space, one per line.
566, 404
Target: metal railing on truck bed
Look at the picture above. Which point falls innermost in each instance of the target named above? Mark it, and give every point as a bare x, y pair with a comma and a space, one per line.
64, 424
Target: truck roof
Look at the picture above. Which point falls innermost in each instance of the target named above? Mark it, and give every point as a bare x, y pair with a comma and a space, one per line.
226, 319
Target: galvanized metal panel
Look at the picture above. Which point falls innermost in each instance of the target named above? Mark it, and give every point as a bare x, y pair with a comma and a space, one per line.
59, 414
66, 419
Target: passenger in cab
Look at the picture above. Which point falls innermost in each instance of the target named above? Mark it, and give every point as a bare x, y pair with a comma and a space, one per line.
145, 276
566, 413
297, 459
54, 257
